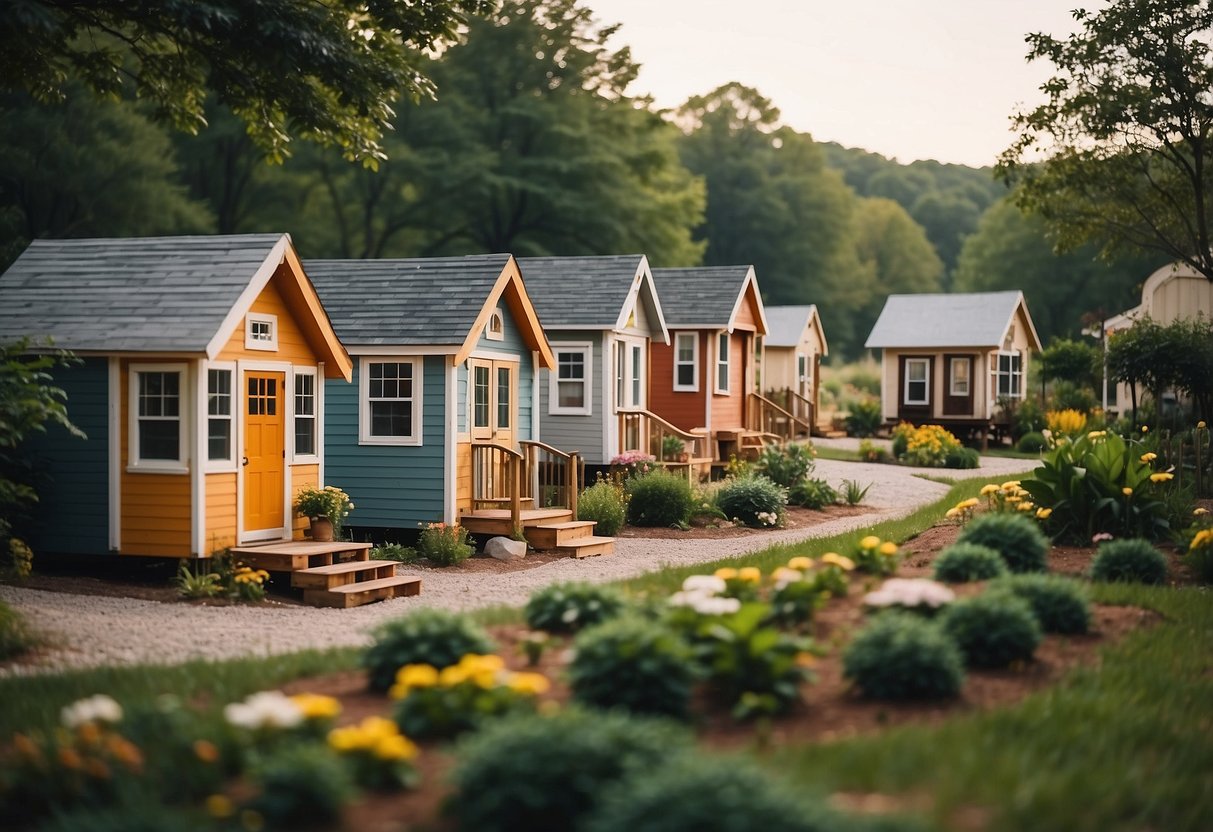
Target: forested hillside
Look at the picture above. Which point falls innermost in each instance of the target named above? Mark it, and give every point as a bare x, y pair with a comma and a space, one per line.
535, 144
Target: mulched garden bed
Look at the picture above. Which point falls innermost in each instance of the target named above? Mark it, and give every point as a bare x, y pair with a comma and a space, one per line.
797, 518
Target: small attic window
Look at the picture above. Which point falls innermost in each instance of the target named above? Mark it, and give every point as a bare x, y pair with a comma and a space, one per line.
261, 332
496, 327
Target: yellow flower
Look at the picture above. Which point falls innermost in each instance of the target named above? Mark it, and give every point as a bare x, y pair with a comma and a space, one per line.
750, 574
1161, 476
1200, 425
804, 659
413, 676
219, 806
531, 684
1043, 513
987, 490
315, 706
972, 502
1026, 505
1149, 457
344, 740
1200, 511
1202, 537
888, 548
1128, 492
835, 559
952, 513
456, 674
1010, 484
395, 747
1145, 428
800, 563
726, 573
869, 542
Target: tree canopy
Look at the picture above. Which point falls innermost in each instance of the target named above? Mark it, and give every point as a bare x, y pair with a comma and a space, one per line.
329, 72
1126, 128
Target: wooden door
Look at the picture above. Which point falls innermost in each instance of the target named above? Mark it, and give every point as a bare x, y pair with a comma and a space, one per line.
264, 452
494, 398
958, 385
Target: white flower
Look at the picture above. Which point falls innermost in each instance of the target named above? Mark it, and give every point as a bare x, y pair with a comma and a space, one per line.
99, 708
716, 606
267, 709
910, 592
569, 615
705, 584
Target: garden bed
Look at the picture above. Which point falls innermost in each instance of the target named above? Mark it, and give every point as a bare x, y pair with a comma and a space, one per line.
797, 518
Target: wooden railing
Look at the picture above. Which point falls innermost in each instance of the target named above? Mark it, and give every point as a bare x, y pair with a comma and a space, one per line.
535, 476
645, 431
765, 416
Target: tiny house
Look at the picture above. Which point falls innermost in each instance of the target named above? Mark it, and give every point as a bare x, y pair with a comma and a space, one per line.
957, 360
199, 389
791, 369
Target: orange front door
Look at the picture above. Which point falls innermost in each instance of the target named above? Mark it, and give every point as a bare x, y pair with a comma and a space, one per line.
264, 445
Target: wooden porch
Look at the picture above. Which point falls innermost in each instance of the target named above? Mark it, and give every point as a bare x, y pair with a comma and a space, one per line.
335, 574
644, 431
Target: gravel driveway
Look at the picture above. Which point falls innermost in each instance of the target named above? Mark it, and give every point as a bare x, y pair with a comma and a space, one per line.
92, 630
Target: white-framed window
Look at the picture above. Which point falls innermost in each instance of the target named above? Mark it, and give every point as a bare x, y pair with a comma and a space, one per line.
686, 361
802, 367
635, 375
722, 362
960, 373
504, 405
495, 331
569, 384
220, 417
157, 430
917, 381
261, 331
1008, 374
306, 413
389, 401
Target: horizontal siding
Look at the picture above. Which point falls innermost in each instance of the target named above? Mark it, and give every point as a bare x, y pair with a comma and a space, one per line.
305, 476
463, 477
292, 343
575, 433
72, 512
683, 409
391, 486
220, 512
728, 411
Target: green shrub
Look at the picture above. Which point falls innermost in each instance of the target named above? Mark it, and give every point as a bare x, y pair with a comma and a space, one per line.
573, 605
460, 698
1059, 604
444, 545
964, 562
301, 784
1020, 542
903, 656
992, 630
1026, 416
548, 773
901, 439
812, 494
1032, 442
659, 498
396, 552
604, 502
853, 492
755, 501
137, 816
638, 665
426, 636
962, 458
15, 635
786, 464
1130, 561
864, 418
869, 451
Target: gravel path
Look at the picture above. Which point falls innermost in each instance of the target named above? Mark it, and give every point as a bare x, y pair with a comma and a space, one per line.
92, 630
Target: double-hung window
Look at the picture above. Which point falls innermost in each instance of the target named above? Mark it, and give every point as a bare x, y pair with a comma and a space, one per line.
390, 401
958, 380
305, 413
220, 416
569, 383
686, 361
917, 381
1008, 372
722, 363
157, 403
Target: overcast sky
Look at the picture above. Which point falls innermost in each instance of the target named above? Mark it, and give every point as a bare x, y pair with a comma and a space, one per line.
910, 79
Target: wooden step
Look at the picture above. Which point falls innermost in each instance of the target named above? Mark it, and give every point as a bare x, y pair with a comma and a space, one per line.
496, 521
587, 547
340, 574
552, 535
363, 592
295, 555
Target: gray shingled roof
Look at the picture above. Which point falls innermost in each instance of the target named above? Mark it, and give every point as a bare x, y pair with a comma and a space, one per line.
786, 324
974, 319
579, 291
704, 295
408, 302
150, 294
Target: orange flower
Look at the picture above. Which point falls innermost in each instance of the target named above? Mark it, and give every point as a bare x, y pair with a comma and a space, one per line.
206, 751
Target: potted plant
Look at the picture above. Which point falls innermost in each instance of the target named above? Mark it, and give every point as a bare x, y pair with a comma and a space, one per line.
671, 447
326, 508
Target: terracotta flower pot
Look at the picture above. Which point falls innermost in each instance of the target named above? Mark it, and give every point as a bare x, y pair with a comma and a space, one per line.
322, 529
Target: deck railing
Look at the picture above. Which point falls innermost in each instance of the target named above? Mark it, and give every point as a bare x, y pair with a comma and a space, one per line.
645, 431
534, 476
556, 477
765, 416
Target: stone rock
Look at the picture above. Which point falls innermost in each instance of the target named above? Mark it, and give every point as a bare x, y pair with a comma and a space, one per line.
505, 548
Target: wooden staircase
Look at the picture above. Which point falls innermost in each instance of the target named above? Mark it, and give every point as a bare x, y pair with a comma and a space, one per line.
548, 530
337, 574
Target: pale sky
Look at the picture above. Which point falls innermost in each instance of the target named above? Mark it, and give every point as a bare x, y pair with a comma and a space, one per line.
910, 79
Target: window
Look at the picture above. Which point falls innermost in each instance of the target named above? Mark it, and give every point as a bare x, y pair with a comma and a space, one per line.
157, 400
569, 384
958, 379
917, 381
758, 363
1009, 375
503, 398
480, 396
722, 362
219, 416
802, 367
686, 361
305, 413
261, 332
636, 371
620, 373
496, 328
390, 402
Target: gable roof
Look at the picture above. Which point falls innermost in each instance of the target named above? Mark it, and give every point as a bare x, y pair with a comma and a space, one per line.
788, 323
590, 292
972, 319
151, 294
425, 301
708, 297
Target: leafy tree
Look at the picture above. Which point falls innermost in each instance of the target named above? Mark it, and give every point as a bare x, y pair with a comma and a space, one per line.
86, 167
1138, 356
1077, 362
328, 72
1127, 126
947, 218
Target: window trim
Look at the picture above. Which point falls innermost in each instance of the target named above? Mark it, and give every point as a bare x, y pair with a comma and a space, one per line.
693, 387
180, 465
318, 407
998, 374
251, 343
587, 352
723, 363
925, 361
968, 377
497, 318
364, 403
221, 466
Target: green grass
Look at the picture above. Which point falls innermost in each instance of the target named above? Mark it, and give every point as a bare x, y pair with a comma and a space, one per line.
840, 454
1127, 746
